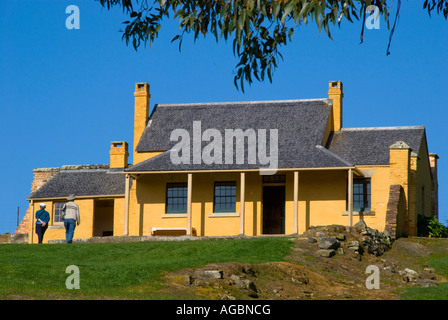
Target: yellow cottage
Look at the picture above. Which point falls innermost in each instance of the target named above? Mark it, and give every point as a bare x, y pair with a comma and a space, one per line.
248, 168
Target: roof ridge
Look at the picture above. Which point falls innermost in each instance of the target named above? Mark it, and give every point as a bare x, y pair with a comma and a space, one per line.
334, 155
383, 128
85, 167
191, 104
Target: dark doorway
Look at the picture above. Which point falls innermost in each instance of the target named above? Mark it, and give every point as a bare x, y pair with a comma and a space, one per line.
103, 218
274, 210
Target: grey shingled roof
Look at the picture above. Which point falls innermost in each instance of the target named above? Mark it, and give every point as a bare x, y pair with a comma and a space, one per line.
370, 146
82, 182
301, 126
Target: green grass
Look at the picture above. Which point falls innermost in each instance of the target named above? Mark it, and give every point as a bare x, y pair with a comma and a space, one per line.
439, 261
119, 270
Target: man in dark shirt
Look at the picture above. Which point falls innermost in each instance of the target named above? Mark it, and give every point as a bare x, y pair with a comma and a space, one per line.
42, 219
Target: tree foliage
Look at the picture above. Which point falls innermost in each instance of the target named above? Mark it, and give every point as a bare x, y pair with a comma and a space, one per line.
258, 28
431, 227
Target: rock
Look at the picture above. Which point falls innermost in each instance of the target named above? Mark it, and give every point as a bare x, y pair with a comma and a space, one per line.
360, 226
408, 275
234, 278
354, 245
192, 280
328, 243
426, 283
427, 275
411, 272
249, 271
250, 293
359, 238
366, 232
340, 237
212, 274
326, 253
429, 270
247, 286
303, 279
202, 283
226, 296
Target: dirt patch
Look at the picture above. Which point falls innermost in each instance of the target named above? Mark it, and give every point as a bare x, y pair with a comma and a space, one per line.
307, 275
257, 281
412, 248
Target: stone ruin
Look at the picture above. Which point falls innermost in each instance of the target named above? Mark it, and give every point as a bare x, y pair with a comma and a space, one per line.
359, 238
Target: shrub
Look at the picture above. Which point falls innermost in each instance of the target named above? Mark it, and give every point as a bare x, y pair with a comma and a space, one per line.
431, 227
436, 229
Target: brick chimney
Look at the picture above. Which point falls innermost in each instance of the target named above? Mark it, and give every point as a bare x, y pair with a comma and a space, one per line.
400, 174
336, 94
41, 177
435, 185
119, 154
141, 112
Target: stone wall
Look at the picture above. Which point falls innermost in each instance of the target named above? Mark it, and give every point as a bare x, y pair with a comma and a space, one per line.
13, 238
338, 239
24, 226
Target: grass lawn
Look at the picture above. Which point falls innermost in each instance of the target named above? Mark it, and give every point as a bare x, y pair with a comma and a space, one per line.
119, 270
439, 261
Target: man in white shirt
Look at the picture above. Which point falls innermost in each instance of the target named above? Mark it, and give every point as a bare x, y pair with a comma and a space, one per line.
71, 216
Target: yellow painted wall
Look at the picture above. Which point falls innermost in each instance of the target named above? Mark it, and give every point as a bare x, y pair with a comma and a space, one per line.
379, 184
148, 211
322, 201
419, 187
142, 156
322, 198
57, 231
85, 229
118, 216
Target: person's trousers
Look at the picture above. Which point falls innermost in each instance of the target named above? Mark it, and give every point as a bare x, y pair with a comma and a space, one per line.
40, 231
69, 225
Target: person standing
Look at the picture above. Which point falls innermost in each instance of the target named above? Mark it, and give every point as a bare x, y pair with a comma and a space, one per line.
71, 216
42, 219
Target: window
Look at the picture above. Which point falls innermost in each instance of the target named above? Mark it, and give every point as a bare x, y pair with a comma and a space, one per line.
225, 197
176, 197
361, 194
57, 218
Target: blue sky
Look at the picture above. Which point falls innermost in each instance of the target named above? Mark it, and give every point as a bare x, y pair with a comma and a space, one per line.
66, 94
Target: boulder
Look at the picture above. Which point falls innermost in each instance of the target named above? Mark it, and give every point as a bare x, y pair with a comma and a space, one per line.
360, 226
326, 253
426, 283
409, 275
312, 240
340, 237
328, 243
211, 274
353, 245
